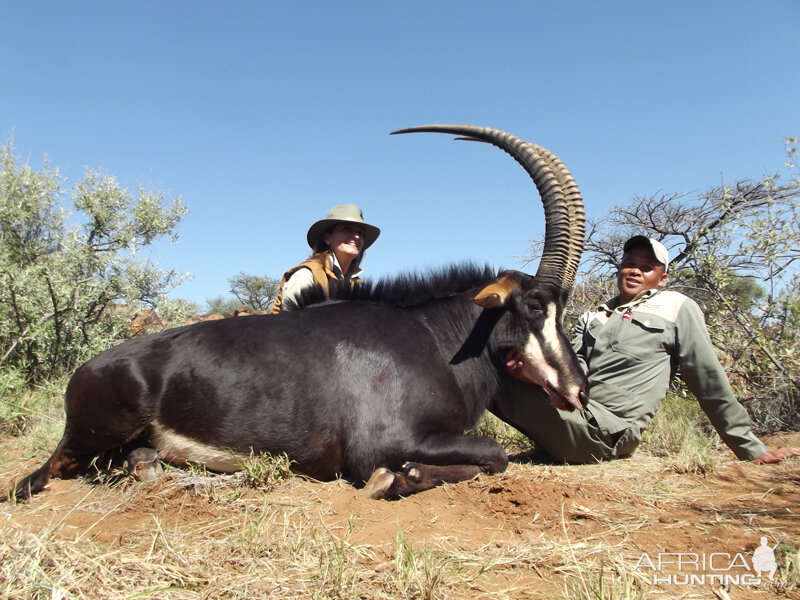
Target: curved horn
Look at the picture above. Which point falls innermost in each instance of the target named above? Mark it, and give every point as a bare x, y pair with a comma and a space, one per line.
563, 206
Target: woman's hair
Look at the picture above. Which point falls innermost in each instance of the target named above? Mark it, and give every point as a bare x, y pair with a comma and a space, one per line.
356, 262
321, 245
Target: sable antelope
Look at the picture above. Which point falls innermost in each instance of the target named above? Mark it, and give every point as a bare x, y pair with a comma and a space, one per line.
382, 384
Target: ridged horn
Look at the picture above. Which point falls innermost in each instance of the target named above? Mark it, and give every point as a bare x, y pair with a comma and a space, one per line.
563, 206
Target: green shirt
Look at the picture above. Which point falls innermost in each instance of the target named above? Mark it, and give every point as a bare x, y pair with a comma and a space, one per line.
630, 354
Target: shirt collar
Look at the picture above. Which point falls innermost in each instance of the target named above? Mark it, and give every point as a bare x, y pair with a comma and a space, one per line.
614, 304
337, 269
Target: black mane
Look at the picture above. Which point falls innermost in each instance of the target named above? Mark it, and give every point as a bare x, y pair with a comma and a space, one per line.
407, 289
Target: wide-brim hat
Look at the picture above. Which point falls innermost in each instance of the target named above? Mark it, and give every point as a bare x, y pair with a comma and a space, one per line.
657, 248
342, 213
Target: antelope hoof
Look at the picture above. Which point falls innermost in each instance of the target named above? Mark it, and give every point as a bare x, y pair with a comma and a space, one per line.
379, 483
143, 465
412, 472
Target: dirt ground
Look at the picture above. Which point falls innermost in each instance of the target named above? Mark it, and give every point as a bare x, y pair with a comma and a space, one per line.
532, 532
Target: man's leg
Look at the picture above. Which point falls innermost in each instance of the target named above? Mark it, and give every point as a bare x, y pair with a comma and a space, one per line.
569, 436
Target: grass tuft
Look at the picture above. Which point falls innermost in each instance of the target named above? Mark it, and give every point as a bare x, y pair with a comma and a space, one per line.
513, 440
680, 433
788, 558
265, 471
421, 572
605, 583
23, 407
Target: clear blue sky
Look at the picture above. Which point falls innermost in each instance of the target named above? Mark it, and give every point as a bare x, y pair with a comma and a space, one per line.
262, 115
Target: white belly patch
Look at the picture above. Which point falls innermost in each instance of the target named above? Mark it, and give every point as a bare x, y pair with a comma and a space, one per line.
179, 449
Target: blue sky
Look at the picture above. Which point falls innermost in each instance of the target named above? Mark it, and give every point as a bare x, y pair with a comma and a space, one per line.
262, 115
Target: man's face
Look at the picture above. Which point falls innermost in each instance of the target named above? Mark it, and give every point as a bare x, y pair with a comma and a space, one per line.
639, 271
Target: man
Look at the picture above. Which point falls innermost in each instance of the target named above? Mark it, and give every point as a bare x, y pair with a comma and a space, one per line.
630, 349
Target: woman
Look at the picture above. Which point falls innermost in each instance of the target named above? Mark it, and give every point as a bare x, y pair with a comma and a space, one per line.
338, 241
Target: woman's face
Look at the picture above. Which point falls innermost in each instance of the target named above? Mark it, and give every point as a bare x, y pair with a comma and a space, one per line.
345, 238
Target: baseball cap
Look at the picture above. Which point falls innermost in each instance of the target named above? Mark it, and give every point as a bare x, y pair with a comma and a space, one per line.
657, 248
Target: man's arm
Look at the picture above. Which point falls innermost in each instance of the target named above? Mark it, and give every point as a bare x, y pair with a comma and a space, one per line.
706, 379
578, 343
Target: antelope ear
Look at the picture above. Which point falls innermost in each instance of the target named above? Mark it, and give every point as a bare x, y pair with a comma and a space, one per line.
498, 292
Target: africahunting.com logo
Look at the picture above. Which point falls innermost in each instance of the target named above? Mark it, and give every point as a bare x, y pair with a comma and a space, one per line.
716, 568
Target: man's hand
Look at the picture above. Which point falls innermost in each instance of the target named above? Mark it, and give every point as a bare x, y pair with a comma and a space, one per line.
514, 363
776, 456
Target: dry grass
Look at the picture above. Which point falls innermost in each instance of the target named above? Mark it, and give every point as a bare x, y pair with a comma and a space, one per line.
537, 531
277, 554
282, 544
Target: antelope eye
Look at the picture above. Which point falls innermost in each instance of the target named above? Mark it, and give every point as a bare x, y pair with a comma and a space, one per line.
535, 307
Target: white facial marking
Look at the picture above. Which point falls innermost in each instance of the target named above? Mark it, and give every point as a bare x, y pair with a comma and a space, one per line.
545, 375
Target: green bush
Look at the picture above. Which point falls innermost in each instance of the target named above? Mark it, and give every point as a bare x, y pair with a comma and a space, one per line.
71, 282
